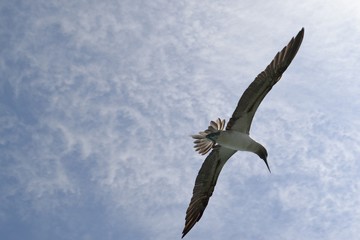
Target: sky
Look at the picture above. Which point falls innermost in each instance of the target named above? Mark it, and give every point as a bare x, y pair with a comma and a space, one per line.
98, 100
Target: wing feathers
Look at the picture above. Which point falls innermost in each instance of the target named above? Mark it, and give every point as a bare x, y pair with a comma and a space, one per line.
204, 185
262, 84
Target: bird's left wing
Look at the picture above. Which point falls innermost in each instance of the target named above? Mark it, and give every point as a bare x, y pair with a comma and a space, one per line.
204, 185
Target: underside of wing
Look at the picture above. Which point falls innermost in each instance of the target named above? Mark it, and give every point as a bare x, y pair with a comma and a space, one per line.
204, 185
255, 93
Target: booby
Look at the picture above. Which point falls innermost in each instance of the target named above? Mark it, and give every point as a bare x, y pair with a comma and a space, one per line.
224, 143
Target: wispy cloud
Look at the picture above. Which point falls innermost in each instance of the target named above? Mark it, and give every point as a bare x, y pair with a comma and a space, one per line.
98, 101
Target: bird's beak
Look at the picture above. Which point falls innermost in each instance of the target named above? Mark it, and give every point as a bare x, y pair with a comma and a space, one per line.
265, 160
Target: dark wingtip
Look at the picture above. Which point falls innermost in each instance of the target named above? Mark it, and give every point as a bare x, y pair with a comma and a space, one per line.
302, 31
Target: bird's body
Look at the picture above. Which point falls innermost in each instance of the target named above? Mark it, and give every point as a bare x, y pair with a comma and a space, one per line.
224, 143
237, 141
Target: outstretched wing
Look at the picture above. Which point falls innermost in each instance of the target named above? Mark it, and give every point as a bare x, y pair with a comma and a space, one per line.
255, 93
204, 185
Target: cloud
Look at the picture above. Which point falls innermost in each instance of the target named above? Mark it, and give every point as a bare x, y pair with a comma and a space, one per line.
98, 101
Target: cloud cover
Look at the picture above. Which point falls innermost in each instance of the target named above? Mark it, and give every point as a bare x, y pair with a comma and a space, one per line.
98, 100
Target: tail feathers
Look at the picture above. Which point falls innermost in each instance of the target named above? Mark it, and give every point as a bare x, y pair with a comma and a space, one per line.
204, 145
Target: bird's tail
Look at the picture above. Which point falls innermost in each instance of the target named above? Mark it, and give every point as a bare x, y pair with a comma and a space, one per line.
202, 144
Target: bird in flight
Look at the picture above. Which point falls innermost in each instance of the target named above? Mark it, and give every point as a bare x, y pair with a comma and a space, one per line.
224, 143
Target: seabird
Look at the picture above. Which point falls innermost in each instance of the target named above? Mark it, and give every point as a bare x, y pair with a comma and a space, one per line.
224, 143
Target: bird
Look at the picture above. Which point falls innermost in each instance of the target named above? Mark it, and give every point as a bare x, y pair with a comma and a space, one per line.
224, 143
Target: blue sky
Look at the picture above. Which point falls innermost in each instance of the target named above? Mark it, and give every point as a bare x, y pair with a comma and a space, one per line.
98, 99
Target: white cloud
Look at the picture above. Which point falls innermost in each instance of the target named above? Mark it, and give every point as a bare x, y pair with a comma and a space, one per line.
105, 95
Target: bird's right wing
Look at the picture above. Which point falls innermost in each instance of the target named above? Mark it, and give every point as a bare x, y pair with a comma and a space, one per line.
255, 93
204, 185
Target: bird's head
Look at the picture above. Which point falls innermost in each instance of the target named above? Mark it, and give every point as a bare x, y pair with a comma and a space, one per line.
213, 136
262, 153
